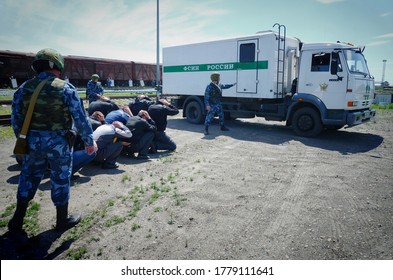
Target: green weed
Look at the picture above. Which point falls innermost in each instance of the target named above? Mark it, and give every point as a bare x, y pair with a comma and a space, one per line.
153, 198
125, 177
114, 221
135, 226
82, 227
31, 220
6, 132
9, 210
165, 189
383, 107
178, 199
77, 254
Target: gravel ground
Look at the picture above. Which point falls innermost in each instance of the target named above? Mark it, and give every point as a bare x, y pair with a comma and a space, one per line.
255, 192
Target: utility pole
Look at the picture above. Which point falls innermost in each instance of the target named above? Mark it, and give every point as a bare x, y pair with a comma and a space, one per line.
158, 51
383, 72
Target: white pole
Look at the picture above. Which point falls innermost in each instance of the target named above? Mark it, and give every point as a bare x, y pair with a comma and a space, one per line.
383, 72
158, 50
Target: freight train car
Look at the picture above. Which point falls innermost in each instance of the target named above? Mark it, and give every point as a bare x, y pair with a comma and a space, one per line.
15, 69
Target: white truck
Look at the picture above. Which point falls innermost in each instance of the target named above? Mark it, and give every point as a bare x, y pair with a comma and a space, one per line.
310, 86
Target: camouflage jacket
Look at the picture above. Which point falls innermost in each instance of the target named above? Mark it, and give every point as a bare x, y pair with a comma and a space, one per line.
92, 89
213, 93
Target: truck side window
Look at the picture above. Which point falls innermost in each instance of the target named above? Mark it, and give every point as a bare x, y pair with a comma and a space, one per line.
336, 57
320, 62
247, 52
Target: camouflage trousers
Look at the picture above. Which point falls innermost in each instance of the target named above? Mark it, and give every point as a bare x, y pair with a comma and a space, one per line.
215, 108
46, 149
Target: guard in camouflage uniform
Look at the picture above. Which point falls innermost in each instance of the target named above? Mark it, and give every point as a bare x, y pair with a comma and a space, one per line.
94, 89
57, 108
213, 94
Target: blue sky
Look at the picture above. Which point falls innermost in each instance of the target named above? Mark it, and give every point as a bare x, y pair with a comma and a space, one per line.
126, 29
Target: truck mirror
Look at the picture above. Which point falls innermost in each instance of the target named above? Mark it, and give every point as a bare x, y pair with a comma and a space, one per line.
334, 67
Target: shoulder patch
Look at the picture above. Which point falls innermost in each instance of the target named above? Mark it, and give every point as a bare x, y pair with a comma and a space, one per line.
58, 83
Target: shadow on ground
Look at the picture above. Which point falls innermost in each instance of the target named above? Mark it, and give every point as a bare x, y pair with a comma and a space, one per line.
343, 141
22, 247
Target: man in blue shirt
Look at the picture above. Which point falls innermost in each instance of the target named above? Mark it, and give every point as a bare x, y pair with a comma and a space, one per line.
122, 115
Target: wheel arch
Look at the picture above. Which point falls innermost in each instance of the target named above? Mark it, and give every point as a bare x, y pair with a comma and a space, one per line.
301, 100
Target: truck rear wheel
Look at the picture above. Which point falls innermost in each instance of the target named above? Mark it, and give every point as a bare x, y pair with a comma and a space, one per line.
306, 122
194, 112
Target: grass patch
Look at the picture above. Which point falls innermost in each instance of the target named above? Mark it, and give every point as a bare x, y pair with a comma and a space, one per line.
31, 220
82, 227
153, 198
6, 132
178, 199
136, 196
382, 107
154, 186
5, 110
135, 226
115, 220
77, 254
165, 189
135, 208
111, 203
9, 210
125, 178
166, 159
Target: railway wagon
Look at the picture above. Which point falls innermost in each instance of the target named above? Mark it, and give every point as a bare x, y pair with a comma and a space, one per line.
15, 69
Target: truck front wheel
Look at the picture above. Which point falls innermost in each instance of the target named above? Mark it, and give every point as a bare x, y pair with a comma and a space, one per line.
306, 122
195, 112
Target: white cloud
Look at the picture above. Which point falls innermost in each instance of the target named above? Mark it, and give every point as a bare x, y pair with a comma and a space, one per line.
379, 43
385, 14
382, 40
190, 23
119, 31
389, 35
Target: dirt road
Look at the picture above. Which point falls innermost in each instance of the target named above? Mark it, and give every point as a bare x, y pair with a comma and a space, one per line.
255, 192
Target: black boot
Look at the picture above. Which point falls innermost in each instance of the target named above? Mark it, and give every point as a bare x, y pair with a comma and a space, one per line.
224, 128
65, 221
16, 223
206, 130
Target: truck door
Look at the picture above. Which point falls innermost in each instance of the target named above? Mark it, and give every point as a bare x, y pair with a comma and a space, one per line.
318, 80
247, 66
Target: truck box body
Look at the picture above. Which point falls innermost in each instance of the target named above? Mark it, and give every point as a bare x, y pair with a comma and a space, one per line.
249, 61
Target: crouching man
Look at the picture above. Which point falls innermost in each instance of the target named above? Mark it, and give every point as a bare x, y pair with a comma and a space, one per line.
109, 139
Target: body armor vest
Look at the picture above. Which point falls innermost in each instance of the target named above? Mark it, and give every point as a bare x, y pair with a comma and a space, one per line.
50, 111
216, 94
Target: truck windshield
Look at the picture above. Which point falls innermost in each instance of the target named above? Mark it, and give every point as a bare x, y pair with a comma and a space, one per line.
356, 62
